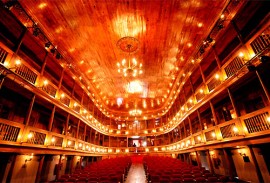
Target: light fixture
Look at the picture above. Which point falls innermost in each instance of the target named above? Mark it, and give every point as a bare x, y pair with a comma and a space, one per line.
135, 112
129, 67
36, 31
241, 153
132, 68
47, 45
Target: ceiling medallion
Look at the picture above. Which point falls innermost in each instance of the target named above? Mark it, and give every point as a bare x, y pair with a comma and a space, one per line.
128, 44
129, 67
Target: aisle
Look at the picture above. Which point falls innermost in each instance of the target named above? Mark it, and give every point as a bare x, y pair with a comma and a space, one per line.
136, 174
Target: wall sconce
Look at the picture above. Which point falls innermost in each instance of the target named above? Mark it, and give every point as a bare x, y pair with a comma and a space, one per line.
27, 159
45, 83
241, 153
53, 141
30, 135
235, 130
69, 143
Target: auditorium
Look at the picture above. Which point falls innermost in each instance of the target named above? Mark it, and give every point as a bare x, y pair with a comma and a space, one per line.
134, 91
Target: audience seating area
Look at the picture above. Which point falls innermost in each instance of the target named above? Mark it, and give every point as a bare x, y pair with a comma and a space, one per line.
161, 169
104, 171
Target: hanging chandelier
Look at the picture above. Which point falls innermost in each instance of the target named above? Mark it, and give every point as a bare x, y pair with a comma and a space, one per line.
129, 67
135, 112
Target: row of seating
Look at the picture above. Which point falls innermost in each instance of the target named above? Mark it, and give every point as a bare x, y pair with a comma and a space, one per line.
104, 171
169, 170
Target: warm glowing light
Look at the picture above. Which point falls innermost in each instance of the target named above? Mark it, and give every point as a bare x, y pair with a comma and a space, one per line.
222, 16
119, 101
53, 140
189, 44
6, 64
135, 87
155, 149
241, 54
18, 62
217, 76
199, 138
129, 25
144, 144
201, 90
268, 119
146, 150
127, 150
80, 144
62, 95
69, 142
235, 129
45, 82
135, 112
42, 5
213, 134
30, 135
200, 24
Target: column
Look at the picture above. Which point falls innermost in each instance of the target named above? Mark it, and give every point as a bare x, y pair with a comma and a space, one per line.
233, 103
51, 119
213, 112
40, 165
253, 158
210, 161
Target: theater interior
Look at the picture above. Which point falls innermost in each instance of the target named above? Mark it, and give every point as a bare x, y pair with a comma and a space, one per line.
134, 91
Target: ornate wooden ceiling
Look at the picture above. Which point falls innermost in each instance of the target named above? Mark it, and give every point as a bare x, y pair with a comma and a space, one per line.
87, 33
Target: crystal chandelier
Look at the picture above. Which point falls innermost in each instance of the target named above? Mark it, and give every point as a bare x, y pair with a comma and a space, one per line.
129, 67
135, 112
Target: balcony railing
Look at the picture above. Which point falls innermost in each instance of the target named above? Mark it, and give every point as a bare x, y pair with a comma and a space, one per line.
26, 73
50, 89
261, 42
9, 132
235, 65
35, 137
3, 55
258, 123
250, 125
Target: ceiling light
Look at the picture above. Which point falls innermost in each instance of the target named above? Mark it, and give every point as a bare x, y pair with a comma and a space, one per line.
135, 112
129, 67
47, 45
